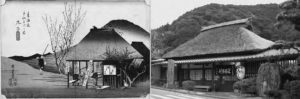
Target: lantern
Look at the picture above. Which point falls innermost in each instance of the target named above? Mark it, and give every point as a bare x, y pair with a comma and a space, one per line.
240, 71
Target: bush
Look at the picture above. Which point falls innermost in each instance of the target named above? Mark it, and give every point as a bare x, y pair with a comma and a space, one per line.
277, 94
246, 86
188, 85
295, 89
143, 84
293, 70
238, 85
268, 73
159, 83
274, 94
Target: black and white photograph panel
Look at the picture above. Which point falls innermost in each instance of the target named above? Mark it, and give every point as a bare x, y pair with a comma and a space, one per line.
225, 49
75, 49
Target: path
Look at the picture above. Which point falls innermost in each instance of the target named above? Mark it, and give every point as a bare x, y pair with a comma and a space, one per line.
163, 94
28, 77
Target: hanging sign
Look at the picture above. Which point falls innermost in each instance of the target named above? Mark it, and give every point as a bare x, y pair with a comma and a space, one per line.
224, 70
109, 70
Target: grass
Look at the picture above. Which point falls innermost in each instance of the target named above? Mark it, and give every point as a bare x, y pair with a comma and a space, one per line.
74, 92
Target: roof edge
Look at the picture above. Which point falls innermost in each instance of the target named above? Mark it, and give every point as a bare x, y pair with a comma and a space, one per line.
234, 22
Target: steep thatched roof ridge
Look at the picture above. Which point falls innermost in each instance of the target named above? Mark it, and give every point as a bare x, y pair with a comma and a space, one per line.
94, 45
225, 39
241, 21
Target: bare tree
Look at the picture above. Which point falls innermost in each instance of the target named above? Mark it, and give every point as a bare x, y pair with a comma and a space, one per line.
62, 32
120, 57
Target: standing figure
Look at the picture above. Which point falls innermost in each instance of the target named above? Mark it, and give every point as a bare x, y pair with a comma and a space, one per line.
41, 63
12, 80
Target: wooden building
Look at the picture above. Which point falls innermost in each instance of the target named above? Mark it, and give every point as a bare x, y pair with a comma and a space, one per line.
88, 54
211, 58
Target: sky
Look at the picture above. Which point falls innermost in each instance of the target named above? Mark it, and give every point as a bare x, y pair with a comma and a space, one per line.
166, 11
36, 38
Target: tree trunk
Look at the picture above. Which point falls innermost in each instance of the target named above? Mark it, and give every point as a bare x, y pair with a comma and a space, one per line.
131, 81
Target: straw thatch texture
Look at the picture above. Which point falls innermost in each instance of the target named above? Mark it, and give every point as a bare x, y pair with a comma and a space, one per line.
117, 34
94, 45
228, 38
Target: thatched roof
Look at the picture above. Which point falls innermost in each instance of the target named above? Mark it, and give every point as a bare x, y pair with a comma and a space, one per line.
94, 44
228, 37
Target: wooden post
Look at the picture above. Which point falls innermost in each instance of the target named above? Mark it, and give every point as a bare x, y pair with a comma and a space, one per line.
171, 73
73, 67
68, 75
68, 80
188, 68
203, 73
73, 71
86, 67
115, 81
97, 80
213, 77
97, 75
79, 68
179, 74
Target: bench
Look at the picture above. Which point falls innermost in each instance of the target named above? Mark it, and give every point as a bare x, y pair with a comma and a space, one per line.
207, 88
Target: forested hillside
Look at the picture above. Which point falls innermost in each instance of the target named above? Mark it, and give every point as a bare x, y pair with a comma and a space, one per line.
187, 26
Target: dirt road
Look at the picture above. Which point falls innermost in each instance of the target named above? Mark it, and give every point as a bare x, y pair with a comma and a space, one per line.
28, 77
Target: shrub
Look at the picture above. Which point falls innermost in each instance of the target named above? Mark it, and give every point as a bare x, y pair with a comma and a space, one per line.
293, 70
277, 94
246, 85
286, 86
143, 84
237, 85
273, 94
295, 89
188, 85
159, 83
270, 74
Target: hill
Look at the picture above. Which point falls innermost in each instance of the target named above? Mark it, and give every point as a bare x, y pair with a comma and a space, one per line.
50, 63
21, 58
188, 25
32, 61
